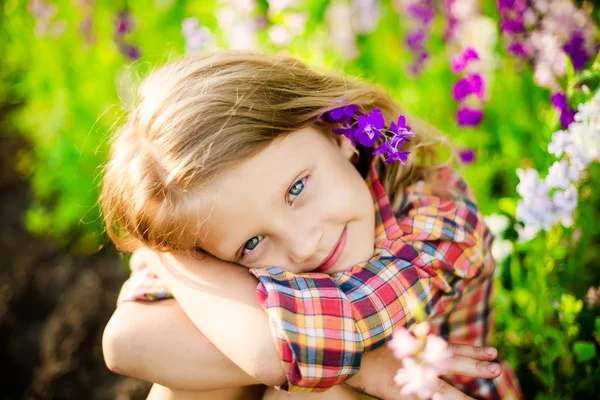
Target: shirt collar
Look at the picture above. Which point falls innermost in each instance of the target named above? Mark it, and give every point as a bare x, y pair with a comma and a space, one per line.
386, 224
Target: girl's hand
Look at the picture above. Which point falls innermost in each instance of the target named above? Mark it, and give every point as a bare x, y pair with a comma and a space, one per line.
378, 368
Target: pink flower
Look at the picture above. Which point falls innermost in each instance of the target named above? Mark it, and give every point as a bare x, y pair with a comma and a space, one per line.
415, 379
436, 353
403, 343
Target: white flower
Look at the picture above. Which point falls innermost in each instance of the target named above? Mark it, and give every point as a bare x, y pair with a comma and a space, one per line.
501, 249
365, 15
280, 35
497, 223
561, 174
343, 37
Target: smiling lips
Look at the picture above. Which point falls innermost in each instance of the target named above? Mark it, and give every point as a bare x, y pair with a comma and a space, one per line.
336, 253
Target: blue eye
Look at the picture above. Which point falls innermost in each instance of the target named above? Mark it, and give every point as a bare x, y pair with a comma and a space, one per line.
251, 244
297, 188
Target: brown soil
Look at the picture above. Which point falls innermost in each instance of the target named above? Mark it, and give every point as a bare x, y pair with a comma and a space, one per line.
53, 307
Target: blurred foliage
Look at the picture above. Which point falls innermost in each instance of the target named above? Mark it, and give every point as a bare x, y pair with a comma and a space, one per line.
71, 87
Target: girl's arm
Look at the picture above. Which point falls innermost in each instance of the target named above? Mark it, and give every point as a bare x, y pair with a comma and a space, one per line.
219, 298
157, 342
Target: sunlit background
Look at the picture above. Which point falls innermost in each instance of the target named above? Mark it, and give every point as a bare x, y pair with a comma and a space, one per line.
512, 81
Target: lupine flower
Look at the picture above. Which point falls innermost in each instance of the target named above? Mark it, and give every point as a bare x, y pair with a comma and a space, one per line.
476, 36
291, 24
545, 33
472, 84
124, 24
366, 15
469, 117
342, 34
197, 39
45, 21
460, 61
236, 19
419, 14
467, 156
85, 26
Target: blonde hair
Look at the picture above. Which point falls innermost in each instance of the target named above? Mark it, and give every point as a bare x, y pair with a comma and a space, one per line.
200, 115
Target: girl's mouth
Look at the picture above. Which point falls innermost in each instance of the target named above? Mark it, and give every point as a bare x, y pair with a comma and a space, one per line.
336, 252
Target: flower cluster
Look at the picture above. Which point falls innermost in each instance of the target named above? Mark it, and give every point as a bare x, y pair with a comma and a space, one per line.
87, 21
474, 37
421, 13
238, 21
197, 38
124, 25
501, 248
45, 19
286, 23
471, 85
424, 358
545, 34
547, 201
368, 129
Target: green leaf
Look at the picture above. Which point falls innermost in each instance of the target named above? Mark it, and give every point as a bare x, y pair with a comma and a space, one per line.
508, 205
584, 351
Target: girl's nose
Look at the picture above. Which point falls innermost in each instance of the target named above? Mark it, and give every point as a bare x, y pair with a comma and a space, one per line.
304, 242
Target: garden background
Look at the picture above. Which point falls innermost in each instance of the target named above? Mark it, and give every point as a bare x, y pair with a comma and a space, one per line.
512, 81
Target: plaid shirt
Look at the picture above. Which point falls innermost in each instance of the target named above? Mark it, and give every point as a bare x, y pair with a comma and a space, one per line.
432, 249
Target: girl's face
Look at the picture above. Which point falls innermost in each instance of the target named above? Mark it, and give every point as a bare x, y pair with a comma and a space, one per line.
300, 205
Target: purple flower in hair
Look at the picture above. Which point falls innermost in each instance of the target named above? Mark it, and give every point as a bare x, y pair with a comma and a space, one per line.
341, 114
369, 127
391, 148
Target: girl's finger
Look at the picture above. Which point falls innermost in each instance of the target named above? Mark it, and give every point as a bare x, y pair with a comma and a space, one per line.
467, 366
448, 392
478, 353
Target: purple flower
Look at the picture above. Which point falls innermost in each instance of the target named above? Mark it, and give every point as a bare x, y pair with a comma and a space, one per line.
341, 114
566, 118
460, 62
567, 114
124, 23
467, 155
465, 86
518, 49
469, 117
369, 127
349, 132
422, 12
391, 148
559, 101
415, 40
576, 51
401, 129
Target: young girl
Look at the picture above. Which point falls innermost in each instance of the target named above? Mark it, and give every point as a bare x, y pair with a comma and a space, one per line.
229, 156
